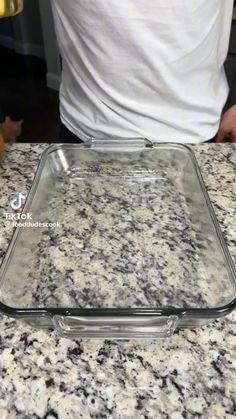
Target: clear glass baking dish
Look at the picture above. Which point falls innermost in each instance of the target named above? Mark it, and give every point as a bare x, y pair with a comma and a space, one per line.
136, 251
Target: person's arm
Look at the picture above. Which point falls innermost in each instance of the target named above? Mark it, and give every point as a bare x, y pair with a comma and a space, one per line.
227, 130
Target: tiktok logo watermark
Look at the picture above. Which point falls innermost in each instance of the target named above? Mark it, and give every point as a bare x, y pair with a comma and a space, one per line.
18, 216
16, 203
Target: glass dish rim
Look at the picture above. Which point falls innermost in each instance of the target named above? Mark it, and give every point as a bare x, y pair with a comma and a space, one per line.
206, 313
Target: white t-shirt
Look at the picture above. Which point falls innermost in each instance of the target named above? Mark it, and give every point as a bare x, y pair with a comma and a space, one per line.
143, 68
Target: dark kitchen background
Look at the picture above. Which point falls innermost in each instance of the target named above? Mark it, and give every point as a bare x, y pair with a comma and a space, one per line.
30, 71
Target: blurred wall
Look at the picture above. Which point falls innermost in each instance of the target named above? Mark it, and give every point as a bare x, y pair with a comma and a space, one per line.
50, 45
230, 66
23, 33
32, 33
6, 29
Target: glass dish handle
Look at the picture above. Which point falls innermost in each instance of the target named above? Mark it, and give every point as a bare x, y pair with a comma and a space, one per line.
116, 327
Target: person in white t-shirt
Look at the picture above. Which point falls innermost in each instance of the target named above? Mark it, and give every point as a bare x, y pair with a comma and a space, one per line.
144, 68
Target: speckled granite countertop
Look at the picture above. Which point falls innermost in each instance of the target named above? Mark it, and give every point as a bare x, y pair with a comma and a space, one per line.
191, 375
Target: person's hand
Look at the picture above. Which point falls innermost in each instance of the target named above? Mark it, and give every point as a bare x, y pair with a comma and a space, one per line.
227, 130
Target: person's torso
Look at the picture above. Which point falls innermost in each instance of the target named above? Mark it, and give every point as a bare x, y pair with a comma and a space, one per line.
143, 68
